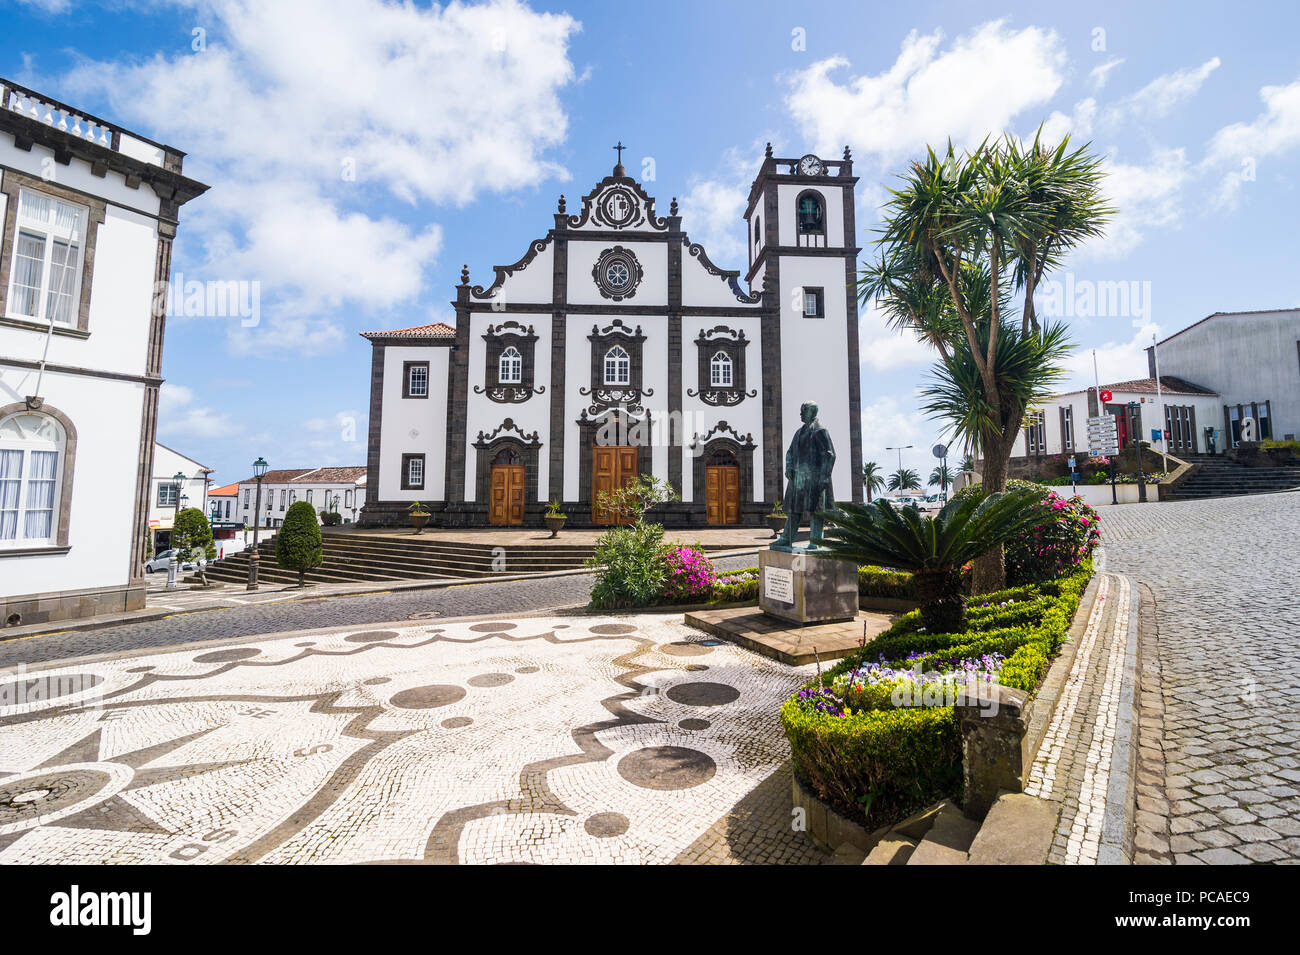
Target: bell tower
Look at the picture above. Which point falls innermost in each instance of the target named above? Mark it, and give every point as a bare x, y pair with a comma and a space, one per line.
802, 239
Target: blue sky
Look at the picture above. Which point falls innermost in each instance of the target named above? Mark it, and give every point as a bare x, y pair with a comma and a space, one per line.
359, 152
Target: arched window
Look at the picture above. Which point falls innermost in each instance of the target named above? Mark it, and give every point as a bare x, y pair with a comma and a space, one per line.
720, 370
31, 476
812, 219
309, 495
510, 367
507, 457
618, 367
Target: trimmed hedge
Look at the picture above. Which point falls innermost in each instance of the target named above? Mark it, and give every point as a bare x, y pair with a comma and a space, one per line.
872, 582
878, 765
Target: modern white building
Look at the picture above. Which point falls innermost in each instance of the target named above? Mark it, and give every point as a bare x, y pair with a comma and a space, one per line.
1060, 426
1251, 360
615, 347
339, 490
88, 214
167, 495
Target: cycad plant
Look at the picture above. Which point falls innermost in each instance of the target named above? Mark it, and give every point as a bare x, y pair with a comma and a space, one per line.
935, 548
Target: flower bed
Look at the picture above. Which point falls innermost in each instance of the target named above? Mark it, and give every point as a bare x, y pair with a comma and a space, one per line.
876, 737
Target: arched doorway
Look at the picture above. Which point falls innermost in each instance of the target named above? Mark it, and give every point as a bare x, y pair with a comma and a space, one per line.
506, 488
722, 488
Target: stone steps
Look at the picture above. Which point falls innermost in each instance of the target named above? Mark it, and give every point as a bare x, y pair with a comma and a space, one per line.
941, 835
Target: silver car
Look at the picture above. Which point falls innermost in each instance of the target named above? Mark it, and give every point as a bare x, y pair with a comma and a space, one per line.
163, 561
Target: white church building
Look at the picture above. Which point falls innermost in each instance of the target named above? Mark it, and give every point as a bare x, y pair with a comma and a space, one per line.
614, 347
88, 214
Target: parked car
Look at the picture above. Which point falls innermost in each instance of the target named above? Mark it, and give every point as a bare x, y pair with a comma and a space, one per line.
163, 561
935, 502
906, 500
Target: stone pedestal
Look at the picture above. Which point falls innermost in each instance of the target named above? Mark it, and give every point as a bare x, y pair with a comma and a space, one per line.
807, 588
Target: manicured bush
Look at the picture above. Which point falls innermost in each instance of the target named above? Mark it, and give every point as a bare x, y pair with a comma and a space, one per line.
630, 567
298, 543
688, 573
192, 536
876, 761
1068, 533
330, 518
883, 582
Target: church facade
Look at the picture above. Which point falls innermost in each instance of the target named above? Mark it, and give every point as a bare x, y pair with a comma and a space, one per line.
614, 347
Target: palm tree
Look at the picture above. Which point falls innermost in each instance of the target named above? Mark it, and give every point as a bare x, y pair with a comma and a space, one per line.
932, 548
905, 479
942, 476
963, 237
968, 464
872, 478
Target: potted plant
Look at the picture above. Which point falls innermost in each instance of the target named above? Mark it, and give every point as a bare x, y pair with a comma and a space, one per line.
419, 516
776, 519
554, 517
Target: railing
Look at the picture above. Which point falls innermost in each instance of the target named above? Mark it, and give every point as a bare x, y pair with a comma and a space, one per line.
19, 99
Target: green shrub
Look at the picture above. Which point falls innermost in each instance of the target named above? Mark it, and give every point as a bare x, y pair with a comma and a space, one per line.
298, 543
879, 763
735, 585
192, 535
630, 567
878, 766
883, 582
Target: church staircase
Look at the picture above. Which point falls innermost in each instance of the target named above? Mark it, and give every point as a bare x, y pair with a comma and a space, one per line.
355, 557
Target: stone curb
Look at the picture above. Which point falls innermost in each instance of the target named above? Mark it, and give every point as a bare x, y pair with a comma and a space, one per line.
1116, 847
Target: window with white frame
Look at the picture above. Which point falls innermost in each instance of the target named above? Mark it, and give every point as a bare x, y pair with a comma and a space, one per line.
1067, 428
417, 380
248, 497
31, 459
510, 367
168, 492
309, 495
813, 303
1035, 433
284, 493
347, 498
415, 471
618, 367
720, 370
45, 274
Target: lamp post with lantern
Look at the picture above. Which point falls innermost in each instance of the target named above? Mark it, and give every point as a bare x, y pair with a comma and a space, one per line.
259, 472
179, 478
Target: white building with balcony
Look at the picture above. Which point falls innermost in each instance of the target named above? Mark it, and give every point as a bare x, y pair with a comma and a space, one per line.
88, 214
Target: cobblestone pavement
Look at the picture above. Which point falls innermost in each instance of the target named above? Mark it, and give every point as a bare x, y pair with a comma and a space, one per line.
1219, 756
305, 613
544, 739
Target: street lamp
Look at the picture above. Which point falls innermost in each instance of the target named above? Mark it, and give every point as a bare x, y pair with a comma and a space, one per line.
179, 478
900, 451
259, 471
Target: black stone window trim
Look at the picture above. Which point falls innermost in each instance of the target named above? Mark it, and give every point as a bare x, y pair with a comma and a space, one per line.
499, 339
817, 294
631, 271
607, 395
407, 483
812, 223
732, 343
408, 369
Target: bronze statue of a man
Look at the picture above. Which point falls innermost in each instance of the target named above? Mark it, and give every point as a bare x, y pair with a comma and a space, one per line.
808, 465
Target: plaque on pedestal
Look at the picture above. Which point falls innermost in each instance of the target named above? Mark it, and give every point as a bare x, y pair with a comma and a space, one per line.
807, 587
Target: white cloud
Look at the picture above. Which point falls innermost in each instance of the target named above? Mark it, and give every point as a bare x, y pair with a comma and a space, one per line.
713, 208
1077, 124
306, 115
1146, 197
1240, 147
972, 89
1159, 97
1116, 360
177, 417
1099, 75
884, 349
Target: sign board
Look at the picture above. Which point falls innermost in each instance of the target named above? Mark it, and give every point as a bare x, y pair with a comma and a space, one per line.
939, 450
1103, 435
1106, 396
778, 584
1157, 435
1073, 466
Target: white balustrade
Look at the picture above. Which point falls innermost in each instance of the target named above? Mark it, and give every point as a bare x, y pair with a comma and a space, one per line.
25, 103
